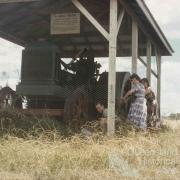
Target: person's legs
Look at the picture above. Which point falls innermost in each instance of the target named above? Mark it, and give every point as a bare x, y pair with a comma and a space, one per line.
103, 124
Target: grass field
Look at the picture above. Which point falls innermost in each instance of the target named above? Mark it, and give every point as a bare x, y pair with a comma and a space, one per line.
133, 155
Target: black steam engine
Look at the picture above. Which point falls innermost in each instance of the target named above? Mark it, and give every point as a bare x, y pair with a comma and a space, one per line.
50, 82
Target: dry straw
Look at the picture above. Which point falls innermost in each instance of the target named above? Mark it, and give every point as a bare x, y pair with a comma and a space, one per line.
44, 151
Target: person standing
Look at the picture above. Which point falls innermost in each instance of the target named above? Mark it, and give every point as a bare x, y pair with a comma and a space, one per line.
138, 109
151, 104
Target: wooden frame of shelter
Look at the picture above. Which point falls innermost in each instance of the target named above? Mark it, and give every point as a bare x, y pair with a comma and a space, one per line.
110, 28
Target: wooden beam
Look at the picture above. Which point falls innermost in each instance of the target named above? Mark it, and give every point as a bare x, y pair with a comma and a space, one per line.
158, 58
12, 38
96, 24
140, 24
120, 19
145, 64
134, 45
125, 45
112, 67
42, 112
14, 1
148, 70
154, 24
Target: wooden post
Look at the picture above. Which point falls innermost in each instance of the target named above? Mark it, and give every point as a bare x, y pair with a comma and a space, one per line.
120, 19
148, 71
134, 45
145, 64
112, 67
158, 57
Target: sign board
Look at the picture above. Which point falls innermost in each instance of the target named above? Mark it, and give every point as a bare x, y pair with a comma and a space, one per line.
67, 23
13, 1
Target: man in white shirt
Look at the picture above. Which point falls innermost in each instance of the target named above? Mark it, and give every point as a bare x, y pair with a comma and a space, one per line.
100, 108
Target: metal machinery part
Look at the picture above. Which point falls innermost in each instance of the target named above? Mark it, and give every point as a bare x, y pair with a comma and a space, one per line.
123, 85
76, 109
48, 82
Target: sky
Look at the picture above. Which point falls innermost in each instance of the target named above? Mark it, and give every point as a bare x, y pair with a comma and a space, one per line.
167, 14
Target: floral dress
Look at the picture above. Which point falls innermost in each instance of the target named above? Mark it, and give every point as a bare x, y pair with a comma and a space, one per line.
138, 109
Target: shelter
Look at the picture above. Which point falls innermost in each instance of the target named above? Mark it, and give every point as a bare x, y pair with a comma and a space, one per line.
110, 28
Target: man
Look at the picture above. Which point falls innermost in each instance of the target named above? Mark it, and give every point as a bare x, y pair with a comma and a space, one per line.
100, 108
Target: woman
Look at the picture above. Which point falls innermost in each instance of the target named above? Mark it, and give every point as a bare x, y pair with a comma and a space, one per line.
138, 109
151, 103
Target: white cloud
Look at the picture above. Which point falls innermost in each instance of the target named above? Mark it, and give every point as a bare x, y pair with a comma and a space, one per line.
170, 86
167, 14
10, 63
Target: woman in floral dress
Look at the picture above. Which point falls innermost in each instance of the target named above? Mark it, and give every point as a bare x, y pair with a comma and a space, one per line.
138, 109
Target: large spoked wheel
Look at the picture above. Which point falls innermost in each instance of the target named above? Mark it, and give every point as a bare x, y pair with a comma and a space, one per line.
123, 86
76, 109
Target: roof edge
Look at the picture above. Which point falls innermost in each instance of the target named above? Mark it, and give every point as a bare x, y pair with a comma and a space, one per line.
155, 25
